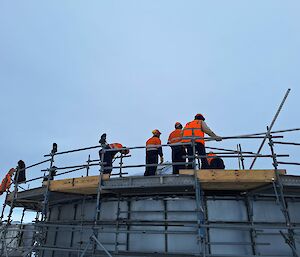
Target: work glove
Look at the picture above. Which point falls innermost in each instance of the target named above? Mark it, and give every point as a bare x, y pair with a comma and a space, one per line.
161, 159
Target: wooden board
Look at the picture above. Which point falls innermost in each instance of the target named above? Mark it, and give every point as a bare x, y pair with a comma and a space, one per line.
233, 179
83, 185
210, 180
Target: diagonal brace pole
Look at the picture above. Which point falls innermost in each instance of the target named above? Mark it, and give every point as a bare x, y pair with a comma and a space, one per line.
270, 127
290, 243
101, 245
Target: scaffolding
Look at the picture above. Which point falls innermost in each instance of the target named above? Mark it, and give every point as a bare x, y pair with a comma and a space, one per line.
41, 227
123, 226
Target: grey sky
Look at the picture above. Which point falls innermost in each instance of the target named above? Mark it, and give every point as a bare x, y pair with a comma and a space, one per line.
71, 70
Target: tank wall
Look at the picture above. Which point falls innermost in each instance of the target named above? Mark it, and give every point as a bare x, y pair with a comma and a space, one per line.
147, 230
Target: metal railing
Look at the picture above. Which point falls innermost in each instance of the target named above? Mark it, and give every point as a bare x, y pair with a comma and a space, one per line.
202, 226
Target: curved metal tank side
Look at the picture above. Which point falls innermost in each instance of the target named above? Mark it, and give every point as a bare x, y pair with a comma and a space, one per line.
226, 241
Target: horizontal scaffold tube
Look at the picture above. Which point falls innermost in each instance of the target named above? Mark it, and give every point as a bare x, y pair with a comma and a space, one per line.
250, 136
164, 164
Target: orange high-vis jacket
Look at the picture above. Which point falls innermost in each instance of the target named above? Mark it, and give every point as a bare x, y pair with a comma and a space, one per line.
193, 128
153, 142
209, 160
5, 183
115, 146
175, 136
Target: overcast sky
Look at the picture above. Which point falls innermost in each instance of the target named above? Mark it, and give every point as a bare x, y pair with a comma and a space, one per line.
71, 70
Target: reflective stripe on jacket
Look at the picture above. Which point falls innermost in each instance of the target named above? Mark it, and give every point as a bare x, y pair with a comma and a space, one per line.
175, 136
193, 129
154, 144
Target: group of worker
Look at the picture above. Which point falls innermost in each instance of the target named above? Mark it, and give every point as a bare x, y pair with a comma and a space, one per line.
180, 141
185, 142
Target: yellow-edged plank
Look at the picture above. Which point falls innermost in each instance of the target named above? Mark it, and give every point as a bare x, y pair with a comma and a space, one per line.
210, 180
233, 179
82, 185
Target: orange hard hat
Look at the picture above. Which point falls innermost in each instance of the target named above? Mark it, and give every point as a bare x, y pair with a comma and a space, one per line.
199, 116
156, 132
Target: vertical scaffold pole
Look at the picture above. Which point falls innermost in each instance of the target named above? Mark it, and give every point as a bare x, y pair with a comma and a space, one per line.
280, 193
242, 158
117, 225
249, 208
199, 203
121, 165
98, 199
21, 232
239, 158
14, 196
98, 203
88, 165
46, 194
45, 206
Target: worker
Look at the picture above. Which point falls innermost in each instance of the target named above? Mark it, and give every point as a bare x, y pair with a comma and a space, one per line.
197, 128
108, 156
178, 151
52, 174
20, 175
6, 182
215, 162
153, 150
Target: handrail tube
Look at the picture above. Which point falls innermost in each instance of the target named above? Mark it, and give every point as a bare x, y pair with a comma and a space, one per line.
228, 150
70, 171
75, 150
289, 163
182, 144
246, 156
72, 167
33, 165
285, 143
114, 167
141, 147
34, 179
171, 163
240, 137
273, 132
217, 153
118, 157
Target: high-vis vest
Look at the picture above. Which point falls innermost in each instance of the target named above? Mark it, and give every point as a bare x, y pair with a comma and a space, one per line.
209, 160
193, 128
175, 136
153, 143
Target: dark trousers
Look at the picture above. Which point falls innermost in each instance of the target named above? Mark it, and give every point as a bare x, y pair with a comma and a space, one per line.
200, 150
151, 158
178, 155
217, 163
107, 159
